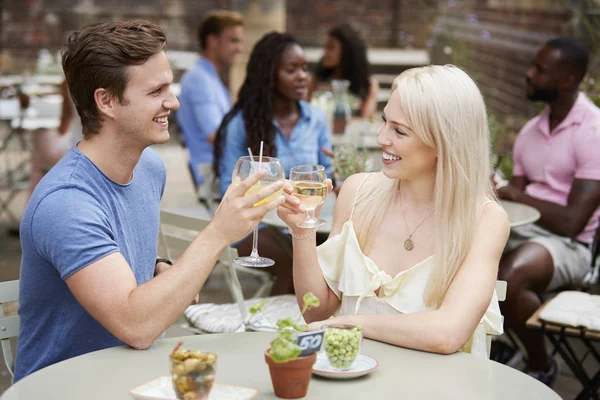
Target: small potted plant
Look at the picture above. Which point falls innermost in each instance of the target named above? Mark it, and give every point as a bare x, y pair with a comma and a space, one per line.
290, 364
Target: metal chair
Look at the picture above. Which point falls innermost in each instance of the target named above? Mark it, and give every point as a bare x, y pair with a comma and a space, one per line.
180, 242
208, 191
9, 326
501, 294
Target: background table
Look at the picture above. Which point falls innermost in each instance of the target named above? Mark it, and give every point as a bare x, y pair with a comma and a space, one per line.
402, 373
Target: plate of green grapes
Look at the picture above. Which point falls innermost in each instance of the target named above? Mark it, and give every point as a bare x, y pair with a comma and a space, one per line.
341, 358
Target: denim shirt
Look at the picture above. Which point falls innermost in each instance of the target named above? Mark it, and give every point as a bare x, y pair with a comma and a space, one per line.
204, 101
308, 136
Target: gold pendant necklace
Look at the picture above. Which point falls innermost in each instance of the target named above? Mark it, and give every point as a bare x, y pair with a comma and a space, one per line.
408, 243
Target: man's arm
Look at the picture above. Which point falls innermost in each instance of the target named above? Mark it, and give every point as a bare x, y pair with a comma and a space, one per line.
137, 315
571, 219
584, 195
519, 182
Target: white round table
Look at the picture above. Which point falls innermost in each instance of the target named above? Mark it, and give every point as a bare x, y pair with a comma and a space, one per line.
402, 373
518, 214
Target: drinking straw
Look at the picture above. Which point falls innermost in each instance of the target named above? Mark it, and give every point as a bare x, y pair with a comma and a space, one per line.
260, 155
251, 160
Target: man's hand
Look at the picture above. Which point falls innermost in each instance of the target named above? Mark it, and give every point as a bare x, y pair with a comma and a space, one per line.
236, 216
327, 152
511, 193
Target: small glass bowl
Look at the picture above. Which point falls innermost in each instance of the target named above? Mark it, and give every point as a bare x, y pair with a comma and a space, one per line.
193, 373
342, 345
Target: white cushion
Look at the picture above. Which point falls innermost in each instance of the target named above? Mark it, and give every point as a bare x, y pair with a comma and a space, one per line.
575, 309
225, 318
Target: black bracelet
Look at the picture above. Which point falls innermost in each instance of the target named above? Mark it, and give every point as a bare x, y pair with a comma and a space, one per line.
163, 260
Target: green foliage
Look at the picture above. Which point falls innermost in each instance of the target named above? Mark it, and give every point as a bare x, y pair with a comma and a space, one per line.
310, 301
348, 160
257, 307
284, 347
591, 87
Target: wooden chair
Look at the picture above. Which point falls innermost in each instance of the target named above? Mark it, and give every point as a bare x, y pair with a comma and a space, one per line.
558, 335
9, 326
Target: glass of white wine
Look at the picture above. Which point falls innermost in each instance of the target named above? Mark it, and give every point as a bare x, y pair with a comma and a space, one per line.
245, 167
310, 188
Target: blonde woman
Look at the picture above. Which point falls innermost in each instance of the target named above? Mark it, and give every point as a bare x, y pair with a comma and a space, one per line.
414, 250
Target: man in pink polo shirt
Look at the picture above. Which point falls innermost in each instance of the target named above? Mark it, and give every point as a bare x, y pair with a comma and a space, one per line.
556, 170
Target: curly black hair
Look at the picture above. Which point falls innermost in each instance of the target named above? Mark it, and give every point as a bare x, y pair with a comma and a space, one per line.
353, 63
255, 98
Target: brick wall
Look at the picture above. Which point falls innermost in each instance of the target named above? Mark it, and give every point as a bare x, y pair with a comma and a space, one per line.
495, 44
493, 39
382, 23
31, 25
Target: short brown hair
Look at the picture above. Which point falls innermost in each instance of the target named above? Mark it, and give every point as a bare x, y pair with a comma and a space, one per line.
98, 56
214, 22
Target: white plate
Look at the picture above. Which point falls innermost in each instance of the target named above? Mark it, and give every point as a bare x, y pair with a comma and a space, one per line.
162, 389
362, 366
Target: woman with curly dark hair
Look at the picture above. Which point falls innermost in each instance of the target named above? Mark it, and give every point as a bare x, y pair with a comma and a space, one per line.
270, 108
345, 57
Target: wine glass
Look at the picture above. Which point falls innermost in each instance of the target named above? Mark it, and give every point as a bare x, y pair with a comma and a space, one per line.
310, 188
245, 167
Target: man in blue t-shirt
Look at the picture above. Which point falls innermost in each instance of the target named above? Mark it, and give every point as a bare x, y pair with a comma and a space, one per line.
89, 276
204, 97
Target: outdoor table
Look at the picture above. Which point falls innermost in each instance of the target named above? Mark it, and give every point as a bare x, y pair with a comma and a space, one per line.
401, 373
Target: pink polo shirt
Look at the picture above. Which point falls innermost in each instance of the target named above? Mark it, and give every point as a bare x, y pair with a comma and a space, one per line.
552, 160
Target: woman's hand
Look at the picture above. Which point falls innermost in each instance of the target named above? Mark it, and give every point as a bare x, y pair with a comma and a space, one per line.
341, 319
291, 212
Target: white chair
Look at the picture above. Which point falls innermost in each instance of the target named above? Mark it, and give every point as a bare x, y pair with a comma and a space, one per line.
501, 287
180, 241
9, 326
208, 191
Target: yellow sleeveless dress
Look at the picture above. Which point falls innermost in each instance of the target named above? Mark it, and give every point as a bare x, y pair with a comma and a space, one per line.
354, 278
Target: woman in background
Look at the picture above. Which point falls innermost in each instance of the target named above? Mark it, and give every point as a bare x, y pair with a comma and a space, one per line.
270, 108
345, 57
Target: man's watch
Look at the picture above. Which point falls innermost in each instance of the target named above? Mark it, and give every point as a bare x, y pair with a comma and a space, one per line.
163, 260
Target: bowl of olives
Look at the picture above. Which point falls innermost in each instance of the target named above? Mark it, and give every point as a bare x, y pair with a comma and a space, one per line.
192, 373
342, 345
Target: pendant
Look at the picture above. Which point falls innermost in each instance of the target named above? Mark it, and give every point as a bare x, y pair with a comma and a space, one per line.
408, 244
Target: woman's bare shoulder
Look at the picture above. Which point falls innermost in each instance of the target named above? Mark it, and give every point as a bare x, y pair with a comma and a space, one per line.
350, 188
494, 223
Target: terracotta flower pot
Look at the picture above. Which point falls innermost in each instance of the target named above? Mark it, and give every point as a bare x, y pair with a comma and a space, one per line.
291, 378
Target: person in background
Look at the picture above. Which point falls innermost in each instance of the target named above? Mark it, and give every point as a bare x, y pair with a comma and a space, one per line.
90, 278
557, 171
345, 57
204, 97
270, 108
50, 145
414, 250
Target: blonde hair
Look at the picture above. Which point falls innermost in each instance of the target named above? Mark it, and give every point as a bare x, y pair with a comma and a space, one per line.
445, 109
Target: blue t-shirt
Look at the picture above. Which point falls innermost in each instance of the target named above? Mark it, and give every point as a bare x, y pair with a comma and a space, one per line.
204, 101
308, 137
77, 216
